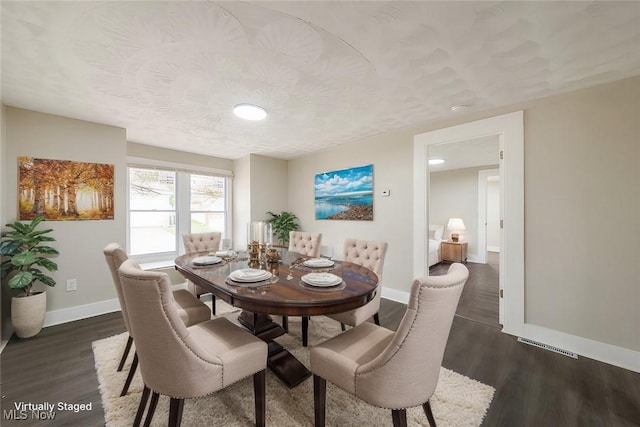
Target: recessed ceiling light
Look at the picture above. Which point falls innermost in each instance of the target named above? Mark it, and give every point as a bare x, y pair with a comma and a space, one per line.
459, 107
436, 161
249, 112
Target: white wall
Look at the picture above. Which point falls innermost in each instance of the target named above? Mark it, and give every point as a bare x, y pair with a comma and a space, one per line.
260, 185
392, 158
454, 194
268, 186
582, 213
582, 152
80, 243
241, 201
493, 215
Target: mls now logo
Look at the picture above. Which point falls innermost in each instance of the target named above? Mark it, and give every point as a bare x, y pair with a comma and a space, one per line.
15, 414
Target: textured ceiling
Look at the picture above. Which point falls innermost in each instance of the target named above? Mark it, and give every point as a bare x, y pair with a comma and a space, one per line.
328, 73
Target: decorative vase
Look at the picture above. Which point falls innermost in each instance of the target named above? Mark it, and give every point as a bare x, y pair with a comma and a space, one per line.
27, 314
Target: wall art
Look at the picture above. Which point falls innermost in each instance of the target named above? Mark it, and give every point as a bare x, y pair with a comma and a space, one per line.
64, 190
345, 194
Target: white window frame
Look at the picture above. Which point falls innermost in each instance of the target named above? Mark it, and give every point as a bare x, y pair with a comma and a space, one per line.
183, 203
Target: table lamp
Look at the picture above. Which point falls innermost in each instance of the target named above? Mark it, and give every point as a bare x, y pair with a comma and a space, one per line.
455, 225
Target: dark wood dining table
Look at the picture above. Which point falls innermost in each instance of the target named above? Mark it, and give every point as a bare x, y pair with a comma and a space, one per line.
284, 294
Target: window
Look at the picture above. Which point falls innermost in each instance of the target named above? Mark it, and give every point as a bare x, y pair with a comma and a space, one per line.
207, 203
165, 204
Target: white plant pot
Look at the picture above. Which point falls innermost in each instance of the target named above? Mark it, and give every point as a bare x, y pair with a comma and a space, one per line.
27, 314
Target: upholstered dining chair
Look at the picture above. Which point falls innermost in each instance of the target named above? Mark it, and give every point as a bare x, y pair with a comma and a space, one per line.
190, 310
305, 243
393, 370
200, 242
185, 362
368, 254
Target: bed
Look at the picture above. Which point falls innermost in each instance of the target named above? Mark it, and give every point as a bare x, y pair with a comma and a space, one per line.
435, 237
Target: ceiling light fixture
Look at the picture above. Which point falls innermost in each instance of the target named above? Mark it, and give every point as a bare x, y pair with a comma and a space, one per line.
436, 161
249, 112
459, 107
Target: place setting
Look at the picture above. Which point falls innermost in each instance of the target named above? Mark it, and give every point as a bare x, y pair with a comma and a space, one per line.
322, 281
315, 265
208, 261
249, 277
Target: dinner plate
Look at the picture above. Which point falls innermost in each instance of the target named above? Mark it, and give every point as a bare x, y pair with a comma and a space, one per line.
321, 279
249, 275
318, 262
206, 260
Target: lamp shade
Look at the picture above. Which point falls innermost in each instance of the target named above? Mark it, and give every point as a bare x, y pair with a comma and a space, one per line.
456, 224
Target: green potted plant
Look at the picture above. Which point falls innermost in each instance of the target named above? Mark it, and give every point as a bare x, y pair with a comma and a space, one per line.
282, 224
24, 254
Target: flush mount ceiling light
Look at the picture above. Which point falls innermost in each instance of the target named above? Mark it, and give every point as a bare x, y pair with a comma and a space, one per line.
436, 161
459, 107
249, 112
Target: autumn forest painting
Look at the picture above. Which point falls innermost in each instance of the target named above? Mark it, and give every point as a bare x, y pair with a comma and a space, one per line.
64, 190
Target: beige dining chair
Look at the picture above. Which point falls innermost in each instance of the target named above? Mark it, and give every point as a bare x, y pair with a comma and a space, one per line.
393, 370
200, 242
190, 310
305, 243
185, 362
308, 244
369, 254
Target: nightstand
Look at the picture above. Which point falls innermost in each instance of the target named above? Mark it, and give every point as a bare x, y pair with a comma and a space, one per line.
454, 251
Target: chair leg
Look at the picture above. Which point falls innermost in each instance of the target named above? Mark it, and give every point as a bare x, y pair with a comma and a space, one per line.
427, 411
343, 327
319, 400
213, 304
285, 323
141, 406
175, 411
376, 319
305, 330
259, 387
399, 417
152, 409
132, 371
126, 353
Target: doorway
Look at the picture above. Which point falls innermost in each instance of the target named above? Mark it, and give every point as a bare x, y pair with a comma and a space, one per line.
465, 185
510, 130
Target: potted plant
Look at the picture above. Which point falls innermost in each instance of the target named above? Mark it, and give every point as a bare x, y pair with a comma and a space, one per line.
24, 255
282, 224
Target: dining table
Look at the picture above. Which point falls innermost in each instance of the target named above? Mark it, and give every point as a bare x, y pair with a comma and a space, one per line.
286, 292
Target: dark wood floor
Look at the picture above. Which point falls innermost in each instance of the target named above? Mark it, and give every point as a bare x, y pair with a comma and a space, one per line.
479, 299
534, 387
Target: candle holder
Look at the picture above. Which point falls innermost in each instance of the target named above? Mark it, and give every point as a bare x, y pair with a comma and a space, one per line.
259, 239
253, 248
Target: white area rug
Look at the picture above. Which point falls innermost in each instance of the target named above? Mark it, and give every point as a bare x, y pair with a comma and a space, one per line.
458, 402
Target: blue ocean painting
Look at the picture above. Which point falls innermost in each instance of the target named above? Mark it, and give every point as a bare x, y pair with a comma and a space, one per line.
345, 194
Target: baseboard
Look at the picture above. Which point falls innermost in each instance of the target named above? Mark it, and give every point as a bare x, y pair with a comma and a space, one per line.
64, 315
79, 312
395, 295
493, 249
607, 353
602, 352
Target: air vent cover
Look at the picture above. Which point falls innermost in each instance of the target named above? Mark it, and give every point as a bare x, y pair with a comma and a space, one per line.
548, 347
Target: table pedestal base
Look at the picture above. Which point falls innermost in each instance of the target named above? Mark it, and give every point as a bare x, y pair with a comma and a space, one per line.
282, 363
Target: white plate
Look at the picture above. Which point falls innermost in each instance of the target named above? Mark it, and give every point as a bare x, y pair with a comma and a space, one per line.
206, 260
318, 262
249, 275
321, 279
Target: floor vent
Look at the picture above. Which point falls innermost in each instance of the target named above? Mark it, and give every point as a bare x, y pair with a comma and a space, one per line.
548, 347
